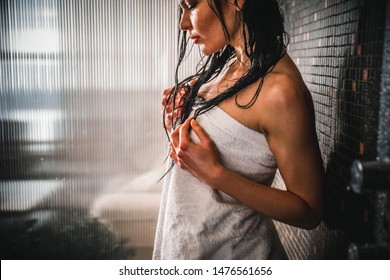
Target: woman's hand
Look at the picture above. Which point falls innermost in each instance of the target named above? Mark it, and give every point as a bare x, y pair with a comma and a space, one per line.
201, 160
168, 105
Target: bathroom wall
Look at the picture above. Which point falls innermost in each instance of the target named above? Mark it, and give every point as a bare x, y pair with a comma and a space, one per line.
338, 46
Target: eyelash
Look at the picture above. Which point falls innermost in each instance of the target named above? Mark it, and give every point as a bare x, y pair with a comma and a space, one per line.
191, 6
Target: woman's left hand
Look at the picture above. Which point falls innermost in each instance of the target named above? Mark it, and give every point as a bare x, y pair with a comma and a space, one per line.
201, 160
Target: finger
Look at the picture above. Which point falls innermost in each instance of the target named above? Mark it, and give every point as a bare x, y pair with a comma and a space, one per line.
182, 91
179, 98
173, 156
176, 114
172, 153
176, 158
165, 96
172, 147
180, 102
200, 132
169, 118
182, 164
168, 108
175, 136
184, 130
164, 100
166, 91
192, 82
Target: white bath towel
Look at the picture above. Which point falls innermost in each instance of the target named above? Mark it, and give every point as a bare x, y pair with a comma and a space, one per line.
197, 222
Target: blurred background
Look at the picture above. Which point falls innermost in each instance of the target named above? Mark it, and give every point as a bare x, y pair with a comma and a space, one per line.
82, 146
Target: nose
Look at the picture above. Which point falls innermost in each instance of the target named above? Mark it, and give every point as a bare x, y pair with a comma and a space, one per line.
185, 22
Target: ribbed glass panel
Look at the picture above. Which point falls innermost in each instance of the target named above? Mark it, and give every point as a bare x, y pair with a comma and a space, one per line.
82, 147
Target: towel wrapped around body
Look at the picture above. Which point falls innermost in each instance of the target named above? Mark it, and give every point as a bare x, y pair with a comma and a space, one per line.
197, 222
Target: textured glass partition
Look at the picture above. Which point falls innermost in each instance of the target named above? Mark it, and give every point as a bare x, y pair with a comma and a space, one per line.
82, 148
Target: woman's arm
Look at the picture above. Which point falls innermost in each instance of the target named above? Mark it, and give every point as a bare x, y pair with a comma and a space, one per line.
290, 132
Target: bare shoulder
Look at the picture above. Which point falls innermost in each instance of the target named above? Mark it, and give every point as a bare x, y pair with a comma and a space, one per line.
284, 98
284, 85
283, 91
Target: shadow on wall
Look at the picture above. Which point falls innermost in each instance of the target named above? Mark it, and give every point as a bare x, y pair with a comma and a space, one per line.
350, 214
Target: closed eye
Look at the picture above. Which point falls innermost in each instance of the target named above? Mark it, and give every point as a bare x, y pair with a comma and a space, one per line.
191, 7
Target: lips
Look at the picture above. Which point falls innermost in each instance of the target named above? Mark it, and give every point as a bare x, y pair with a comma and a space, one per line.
195, 39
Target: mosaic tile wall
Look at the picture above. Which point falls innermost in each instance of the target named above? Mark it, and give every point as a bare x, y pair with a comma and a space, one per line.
338, 46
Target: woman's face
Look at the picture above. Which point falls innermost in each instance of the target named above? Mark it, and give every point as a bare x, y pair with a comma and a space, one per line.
203, 25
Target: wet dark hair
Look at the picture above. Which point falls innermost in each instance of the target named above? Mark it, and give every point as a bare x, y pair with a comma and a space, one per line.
265, 42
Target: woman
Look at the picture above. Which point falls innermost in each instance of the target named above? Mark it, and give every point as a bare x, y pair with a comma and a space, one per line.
244, 114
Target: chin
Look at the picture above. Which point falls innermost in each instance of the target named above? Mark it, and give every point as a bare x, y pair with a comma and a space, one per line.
208, 52
205, 51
